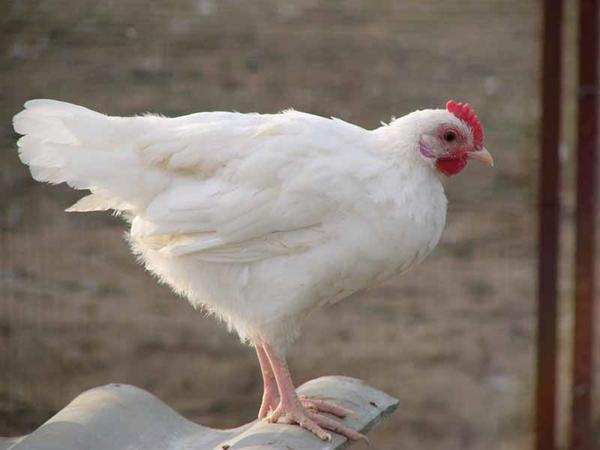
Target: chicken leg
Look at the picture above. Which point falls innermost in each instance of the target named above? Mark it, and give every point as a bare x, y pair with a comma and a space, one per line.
270, 398
292, 409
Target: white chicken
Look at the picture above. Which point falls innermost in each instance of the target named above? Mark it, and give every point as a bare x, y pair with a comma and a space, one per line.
262, 218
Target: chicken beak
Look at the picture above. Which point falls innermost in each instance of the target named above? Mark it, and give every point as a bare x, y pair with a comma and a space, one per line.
482, 155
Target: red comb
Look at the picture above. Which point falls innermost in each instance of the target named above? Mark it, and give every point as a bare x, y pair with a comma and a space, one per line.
465, 113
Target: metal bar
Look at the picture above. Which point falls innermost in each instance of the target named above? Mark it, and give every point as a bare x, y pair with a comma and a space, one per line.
548, 223
587, 158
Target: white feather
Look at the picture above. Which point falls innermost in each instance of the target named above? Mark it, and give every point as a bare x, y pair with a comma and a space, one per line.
258, 218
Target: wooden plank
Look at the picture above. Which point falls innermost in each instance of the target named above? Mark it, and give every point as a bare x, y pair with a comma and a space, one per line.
119, 416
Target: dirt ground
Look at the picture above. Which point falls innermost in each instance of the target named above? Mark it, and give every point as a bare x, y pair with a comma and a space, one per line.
452, 339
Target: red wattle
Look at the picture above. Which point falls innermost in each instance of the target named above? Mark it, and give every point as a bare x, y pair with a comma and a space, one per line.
451, 166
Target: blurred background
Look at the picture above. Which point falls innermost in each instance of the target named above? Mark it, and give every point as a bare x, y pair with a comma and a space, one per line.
453, 339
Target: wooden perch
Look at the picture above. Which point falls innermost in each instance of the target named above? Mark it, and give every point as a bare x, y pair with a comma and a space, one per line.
118, 416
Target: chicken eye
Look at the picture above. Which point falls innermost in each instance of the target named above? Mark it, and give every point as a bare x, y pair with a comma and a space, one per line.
449, 136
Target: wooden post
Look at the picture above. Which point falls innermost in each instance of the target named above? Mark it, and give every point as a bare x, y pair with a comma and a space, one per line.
548, 223
587, 161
